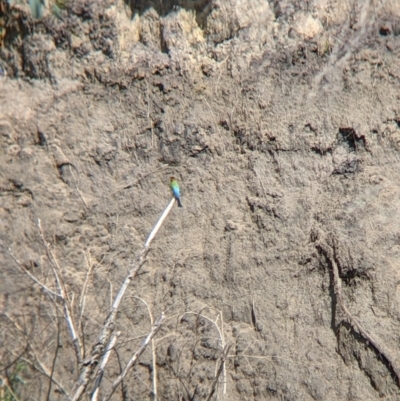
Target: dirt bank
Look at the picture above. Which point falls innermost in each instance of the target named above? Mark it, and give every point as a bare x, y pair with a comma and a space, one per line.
281, 121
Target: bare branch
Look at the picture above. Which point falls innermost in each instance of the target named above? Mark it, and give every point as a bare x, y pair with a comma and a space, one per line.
48, 290
221, 335
97, 350
220, 370
153, 351
40, 367
64, 295
54, 359
77, 188
84, 289
159, 223
103, 363
136, 355
6, 384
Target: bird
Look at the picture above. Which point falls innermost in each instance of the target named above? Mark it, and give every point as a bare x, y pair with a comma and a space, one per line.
175, 190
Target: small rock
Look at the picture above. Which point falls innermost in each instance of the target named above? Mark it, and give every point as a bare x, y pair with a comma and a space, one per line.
72, 217
231, 226
41, 139
26, 153
13, 150
24, 200
396, 28
59, 156
76, 42
16, 183
292, 33
385, 30
102, 232
307, 26
3, 72
5, 129
173, 352
390, 45
207, 69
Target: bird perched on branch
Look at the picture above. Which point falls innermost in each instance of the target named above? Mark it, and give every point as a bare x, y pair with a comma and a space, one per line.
175, 190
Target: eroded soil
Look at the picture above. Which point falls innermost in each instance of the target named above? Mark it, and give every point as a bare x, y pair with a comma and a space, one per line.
280, 120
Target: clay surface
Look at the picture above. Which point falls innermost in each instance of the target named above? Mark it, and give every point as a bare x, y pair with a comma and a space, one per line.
281, 121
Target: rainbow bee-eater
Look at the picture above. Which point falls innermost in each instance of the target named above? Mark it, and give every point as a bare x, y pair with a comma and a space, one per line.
175, 190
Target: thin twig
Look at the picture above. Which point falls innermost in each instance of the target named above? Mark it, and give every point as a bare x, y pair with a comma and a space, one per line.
42, 368
220, 72
64, 295
198, 314
226, 353
221, 335
153, 351
54, 360
132, 183
77, 188
84, 289
7, 385
136, 355
262, 185
5, 368
220, 370
48, 290
154, 372
45, 371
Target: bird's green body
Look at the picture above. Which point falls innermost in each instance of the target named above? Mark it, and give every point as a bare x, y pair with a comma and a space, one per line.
176, 192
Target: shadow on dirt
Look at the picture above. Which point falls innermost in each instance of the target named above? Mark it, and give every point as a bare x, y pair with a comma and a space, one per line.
165, 7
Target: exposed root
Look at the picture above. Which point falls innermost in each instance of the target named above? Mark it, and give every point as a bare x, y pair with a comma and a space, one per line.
329, 253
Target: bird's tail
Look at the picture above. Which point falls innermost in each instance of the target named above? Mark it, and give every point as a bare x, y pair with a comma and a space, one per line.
179, 203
